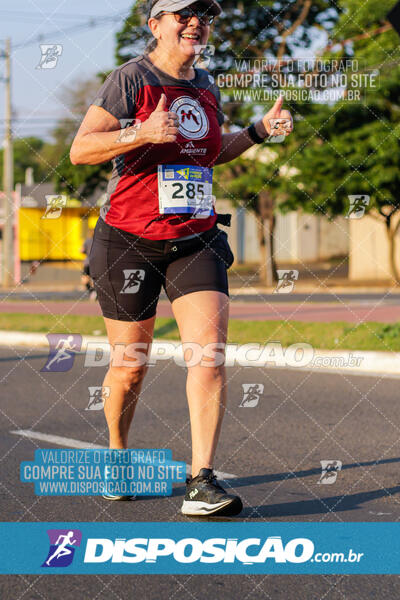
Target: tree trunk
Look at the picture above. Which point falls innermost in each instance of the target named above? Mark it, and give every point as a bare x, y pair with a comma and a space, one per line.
272, 246
266, 223
265, 233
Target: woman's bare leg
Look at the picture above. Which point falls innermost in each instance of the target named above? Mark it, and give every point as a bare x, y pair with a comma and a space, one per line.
125, 381
202, 318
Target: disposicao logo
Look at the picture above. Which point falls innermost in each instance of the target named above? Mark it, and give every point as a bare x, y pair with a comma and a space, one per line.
62, 547
191, 550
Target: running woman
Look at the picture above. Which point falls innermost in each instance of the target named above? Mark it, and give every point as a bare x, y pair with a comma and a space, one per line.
160, 119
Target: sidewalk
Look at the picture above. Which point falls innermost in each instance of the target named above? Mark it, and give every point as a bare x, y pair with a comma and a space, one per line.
242, 288
314, 278
262, 310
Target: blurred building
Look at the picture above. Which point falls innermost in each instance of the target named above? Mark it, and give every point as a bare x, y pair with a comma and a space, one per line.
45, 234
369, 253
298, 237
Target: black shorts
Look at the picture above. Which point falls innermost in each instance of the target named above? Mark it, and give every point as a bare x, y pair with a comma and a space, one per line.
128, 271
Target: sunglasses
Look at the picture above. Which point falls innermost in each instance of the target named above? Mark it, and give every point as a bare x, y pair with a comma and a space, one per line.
184, 16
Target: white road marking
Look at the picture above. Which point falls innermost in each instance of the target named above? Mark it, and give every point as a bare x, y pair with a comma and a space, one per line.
56, 439
71, 443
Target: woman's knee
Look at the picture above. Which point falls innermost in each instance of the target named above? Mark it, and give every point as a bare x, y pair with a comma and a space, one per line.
210, 371
128, 377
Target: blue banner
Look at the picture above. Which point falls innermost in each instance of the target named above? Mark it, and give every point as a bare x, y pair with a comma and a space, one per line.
87, 472
195, 547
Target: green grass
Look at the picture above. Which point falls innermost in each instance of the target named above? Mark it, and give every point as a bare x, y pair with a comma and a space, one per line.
336, 335
85, 325
331, 336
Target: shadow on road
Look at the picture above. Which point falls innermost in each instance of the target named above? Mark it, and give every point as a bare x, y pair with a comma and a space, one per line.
334, 504
257, 479
26, 357
338, 503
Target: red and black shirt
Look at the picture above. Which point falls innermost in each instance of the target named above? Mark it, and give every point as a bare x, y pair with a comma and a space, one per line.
132, 92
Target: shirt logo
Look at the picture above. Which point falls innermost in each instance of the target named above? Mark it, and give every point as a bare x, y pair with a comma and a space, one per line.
193, 121
190, 148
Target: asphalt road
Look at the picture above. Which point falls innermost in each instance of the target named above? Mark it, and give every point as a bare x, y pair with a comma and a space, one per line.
274, 448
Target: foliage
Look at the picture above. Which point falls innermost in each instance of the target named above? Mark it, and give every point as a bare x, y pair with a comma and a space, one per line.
134, 35
29, 152
80, 181
260, 30
353, 148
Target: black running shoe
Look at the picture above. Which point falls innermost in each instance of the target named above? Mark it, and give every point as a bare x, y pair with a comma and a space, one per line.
204, 496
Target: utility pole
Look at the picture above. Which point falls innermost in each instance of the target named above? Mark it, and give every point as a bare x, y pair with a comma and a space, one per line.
8, 180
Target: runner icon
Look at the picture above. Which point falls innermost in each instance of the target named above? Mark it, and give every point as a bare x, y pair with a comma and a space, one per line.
251, 396
330, 471
64, 346
62, 549
288, 278
133, 279
49, 56
98, 396
358, 206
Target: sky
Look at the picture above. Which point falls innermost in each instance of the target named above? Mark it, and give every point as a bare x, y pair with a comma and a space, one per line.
37, 93
37, 97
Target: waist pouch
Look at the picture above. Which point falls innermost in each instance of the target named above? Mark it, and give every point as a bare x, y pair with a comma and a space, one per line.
213, 238
184, 247
216, 239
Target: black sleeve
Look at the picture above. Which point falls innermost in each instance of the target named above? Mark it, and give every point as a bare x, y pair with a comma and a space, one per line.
212, 86
220, 114
117, 95
207, 82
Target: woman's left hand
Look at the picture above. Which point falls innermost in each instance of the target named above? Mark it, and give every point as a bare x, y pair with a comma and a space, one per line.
277, 121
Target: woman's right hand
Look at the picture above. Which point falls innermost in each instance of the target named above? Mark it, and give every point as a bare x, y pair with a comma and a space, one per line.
162, 126
100, 137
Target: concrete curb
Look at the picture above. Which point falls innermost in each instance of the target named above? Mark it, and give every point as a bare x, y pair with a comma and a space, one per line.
313, 290
351, 362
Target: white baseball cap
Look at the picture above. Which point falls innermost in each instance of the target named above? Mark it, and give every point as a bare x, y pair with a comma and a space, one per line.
158, 6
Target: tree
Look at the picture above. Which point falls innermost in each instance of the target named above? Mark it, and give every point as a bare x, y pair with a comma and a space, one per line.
134, 35
262, 30
353, 148
28, 153
79, 181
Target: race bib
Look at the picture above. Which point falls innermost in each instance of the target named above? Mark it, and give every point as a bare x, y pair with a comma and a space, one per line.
184, 189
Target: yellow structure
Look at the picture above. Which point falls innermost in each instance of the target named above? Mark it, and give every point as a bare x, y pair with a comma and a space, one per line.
54, 239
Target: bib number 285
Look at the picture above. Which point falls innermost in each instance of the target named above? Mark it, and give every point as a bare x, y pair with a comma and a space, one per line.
193, 190
185, 189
